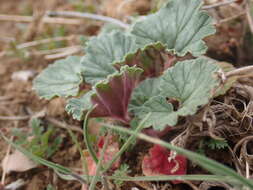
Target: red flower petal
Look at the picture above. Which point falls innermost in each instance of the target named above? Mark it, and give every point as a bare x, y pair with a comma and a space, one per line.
111, 150
101, 142
158, 163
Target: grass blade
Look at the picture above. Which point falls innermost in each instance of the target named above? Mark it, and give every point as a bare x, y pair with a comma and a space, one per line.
126, 144
86, 137
99, 165
161, 178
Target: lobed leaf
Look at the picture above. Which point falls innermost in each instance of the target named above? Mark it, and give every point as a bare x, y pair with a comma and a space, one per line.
60, 79
103, 52
180, 26
162, 113
190, 82
143, 92
150, 59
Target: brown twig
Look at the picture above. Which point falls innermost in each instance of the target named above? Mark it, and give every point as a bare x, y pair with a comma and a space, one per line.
63, 125
194, 187
4, 98
88, 15
166, 186
244, 71
11, 118
7, 39
249, 18
143, 185
70, 51
4, 103
230, 18
218, 4
44, 41
122, 5
15, 185
54, 51
45, 19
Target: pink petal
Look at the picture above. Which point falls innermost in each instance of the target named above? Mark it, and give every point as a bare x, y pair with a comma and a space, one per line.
111, 150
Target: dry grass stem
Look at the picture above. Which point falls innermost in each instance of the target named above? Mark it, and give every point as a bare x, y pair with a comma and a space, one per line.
63, 125
88, 15
45, 19
223, 3
45, 41
70, 51
10, 118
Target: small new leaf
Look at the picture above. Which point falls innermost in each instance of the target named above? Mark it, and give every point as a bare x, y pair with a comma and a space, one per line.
77, 106
113, 95
216, 144
150, 59
110, 97
123, 171
39, 141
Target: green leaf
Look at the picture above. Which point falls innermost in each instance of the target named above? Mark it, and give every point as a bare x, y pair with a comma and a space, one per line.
103, 52
37, 129
77, 106
180, 26
56, 167
60, 79
162, 113
216, 144
110, 27
190, 82
142, 93
50, 187
123, 171
54, 146
150, 59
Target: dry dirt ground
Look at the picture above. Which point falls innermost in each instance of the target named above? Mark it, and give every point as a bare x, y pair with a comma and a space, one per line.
233, 112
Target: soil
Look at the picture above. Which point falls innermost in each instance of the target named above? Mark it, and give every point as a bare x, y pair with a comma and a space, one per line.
232, 111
